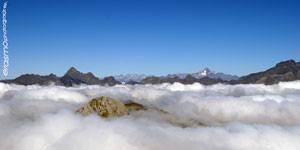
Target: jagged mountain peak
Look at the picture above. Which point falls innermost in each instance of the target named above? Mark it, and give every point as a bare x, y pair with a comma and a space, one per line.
73, 71
206, 71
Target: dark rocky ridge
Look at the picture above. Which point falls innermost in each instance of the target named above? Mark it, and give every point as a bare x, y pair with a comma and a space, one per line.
71, 77
283, 71
29, 79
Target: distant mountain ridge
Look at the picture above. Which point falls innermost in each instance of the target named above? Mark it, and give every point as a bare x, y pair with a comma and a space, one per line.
206, 72
130, 77
284, 71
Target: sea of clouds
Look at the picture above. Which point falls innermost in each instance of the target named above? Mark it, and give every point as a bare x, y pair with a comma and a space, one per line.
184, 117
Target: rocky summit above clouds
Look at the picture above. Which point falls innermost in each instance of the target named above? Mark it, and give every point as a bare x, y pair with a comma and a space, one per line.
283, 71
109, 107
104, 107
71, 77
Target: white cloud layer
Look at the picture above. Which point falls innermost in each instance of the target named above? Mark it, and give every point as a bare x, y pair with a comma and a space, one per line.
217, 117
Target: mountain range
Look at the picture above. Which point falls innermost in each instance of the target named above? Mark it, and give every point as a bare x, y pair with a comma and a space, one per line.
283, 71
206, 72
71, 77
130, 77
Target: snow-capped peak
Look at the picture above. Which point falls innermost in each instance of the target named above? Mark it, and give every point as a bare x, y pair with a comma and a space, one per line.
203, 73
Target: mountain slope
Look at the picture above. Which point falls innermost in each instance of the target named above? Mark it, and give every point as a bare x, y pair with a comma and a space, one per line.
283, 71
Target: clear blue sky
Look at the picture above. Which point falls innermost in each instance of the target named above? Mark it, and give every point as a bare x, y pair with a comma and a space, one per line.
109, 37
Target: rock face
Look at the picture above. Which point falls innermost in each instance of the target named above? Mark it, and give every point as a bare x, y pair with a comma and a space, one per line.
104, 107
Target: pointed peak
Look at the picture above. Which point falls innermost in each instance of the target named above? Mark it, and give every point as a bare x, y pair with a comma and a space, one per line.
207, 69
72, 70
90, 73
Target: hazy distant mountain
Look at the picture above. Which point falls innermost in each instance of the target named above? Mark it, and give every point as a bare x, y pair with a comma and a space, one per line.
206, 72
130, 77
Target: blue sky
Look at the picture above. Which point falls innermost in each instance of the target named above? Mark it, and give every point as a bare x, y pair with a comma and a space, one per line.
150, 36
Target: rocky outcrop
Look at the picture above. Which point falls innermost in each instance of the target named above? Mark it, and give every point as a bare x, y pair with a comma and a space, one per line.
133, 106
104, 107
